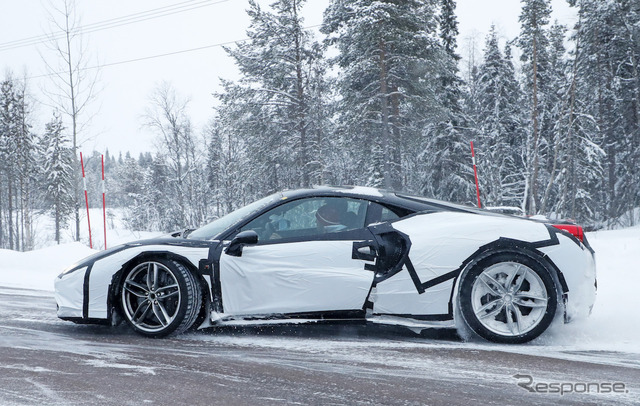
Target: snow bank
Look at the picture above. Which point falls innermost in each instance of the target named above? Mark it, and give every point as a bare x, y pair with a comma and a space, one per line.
614, 324
117, 232
37, 269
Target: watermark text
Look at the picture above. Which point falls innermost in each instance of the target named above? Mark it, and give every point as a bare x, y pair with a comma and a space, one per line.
527, 383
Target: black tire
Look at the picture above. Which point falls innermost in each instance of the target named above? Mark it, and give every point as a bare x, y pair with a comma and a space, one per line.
159, 297
203, 313
507, 290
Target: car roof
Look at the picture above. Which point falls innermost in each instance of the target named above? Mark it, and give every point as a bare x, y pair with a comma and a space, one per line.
408, 201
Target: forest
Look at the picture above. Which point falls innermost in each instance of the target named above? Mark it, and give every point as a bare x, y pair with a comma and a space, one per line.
380, 99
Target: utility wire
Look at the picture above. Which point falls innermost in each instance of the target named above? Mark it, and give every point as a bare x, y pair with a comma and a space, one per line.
45, 36
144, 58
114, 22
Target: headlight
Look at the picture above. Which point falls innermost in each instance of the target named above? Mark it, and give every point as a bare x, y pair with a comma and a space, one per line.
72, 269
83, 263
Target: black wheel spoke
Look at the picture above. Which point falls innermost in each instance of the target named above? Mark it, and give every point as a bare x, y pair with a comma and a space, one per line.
136, 289
139, 315
159, 315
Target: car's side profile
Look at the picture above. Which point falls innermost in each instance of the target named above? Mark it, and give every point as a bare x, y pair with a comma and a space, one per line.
342, 253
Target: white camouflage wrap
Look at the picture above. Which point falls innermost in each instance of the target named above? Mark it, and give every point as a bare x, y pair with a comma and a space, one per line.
69, 287
317, 276
442, 242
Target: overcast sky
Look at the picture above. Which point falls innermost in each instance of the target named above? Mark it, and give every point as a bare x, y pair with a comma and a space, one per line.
175, 26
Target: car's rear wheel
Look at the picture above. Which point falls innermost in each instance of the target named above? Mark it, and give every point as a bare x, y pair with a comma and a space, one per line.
508, 298
160, 297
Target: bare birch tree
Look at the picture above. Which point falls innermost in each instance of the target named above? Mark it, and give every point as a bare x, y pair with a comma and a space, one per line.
167, 116
72, 85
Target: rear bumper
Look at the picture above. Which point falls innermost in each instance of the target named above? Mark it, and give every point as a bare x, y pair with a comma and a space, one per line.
577, 264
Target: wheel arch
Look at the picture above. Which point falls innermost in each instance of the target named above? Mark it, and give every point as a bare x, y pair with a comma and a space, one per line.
506, 245
116, 281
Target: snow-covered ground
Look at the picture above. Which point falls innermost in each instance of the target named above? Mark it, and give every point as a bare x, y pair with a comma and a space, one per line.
37, 269
613, 326
117, 230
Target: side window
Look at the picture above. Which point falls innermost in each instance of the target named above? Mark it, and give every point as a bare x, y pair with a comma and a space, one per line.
378, 213
388, 215
309, 217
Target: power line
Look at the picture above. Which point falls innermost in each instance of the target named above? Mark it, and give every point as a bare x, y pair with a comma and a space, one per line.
45, 36
115, 22
144, 58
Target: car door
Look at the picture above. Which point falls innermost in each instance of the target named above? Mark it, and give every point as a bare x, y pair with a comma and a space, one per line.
304, 261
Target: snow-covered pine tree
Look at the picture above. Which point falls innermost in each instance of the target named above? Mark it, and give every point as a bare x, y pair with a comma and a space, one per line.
608, 83
93, 177
196, 188
534, 44
226, 167
446, 159
389, 58
110, 174
277, 106
451, 82
28, 169
17, 166
145, 189
556, 102
130, 186
156, 185
245, 131
575, 159
499, 119
57, 162
9, 119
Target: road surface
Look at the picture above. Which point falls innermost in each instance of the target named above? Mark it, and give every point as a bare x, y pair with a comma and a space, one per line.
44, 360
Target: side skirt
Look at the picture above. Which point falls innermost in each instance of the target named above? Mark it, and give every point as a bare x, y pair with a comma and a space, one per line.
355, 317
221, 318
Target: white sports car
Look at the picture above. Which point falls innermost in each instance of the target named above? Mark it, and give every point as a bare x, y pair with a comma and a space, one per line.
342, 253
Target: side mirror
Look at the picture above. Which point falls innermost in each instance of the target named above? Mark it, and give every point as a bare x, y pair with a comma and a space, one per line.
243, 238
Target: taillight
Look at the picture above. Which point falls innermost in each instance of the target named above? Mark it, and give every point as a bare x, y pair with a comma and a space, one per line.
574, 230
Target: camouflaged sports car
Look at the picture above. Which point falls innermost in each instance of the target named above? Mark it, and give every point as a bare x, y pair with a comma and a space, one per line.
342, 253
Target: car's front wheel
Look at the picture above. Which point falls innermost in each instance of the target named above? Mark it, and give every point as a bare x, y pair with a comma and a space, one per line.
160, 297
508, 298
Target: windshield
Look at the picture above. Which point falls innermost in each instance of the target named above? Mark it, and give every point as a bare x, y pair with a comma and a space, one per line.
220, 225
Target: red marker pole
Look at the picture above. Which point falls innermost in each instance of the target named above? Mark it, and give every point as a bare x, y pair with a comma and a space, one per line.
475, 172
86, 199
104, 205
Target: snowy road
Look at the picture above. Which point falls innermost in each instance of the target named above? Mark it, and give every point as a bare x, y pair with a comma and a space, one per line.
47, 361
